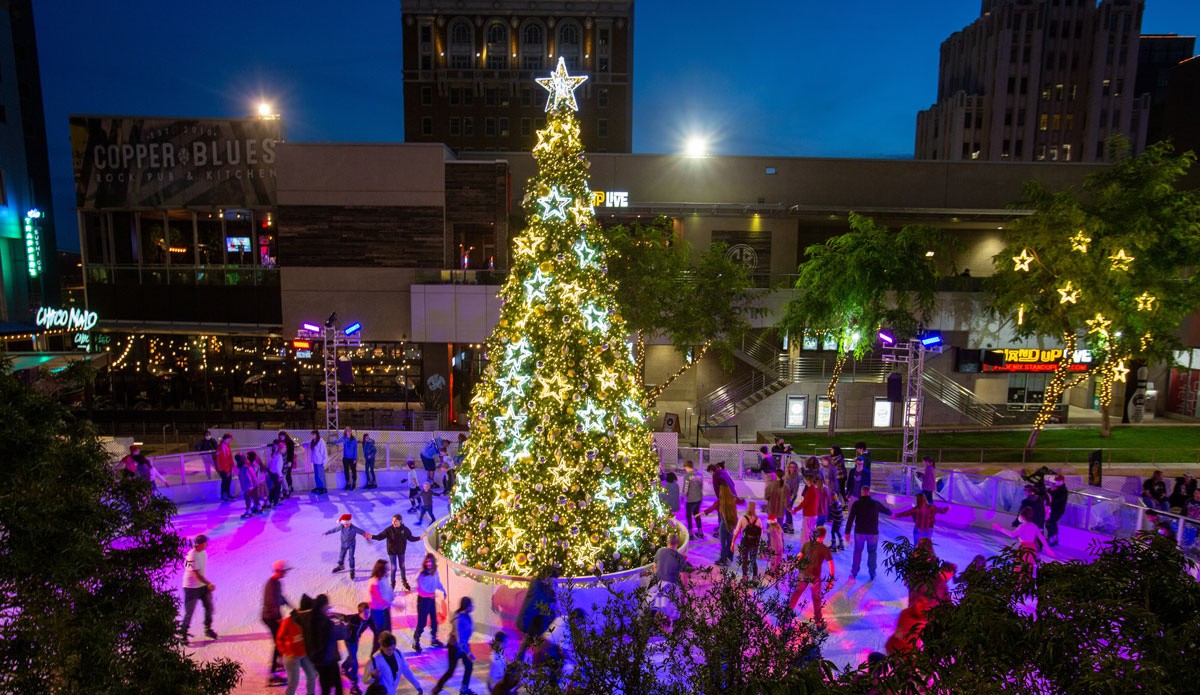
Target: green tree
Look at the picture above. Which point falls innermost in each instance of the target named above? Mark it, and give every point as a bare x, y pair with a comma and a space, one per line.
1111, 266
1124, 620
699, 305
861, 281
83, 560
558, 470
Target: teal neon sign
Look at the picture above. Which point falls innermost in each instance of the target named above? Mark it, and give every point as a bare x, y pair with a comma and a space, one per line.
33, 242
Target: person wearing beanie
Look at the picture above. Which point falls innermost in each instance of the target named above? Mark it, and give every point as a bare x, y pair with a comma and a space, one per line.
349, 534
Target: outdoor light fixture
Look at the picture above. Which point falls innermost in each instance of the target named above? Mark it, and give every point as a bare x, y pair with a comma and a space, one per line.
331, 320
264, 109
696, 146
311, 327
931, 339
353, 328
887, 337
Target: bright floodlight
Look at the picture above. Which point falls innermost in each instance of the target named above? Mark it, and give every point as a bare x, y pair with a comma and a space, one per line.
886, 337
353, 328
264, 109
311, 327
697, 146
931, 339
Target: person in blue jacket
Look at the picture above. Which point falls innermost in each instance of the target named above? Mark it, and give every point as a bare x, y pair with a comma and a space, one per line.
349, 537
349, 457
368, 445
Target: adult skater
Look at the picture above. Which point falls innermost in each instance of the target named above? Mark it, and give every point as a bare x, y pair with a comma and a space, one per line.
320, 645
537, 608
750, 529
290, 643
428, 584
379, 598
349, 444
813, 554
248, 481
1030, 540
139, 466
348, 535
1058, 507
865, 512
317, 459
207, 447
461, 628
368, 447
289, 461
225, 466
272, 615
928, 479
431, 454
398, 536
196, 587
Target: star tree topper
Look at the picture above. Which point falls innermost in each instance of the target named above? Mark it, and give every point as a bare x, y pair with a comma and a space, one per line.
561, 87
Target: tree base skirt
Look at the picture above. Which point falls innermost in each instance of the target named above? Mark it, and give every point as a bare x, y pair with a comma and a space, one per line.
498, 598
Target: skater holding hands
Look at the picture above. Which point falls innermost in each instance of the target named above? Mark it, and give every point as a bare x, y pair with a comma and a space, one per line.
349, 534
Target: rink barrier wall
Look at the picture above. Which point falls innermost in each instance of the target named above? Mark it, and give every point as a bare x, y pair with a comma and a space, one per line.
497, 598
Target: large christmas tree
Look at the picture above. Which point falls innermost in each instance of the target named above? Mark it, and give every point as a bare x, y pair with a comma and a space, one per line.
559, 469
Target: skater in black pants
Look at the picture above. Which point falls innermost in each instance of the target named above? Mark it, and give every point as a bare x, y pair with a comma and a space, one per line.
460, 647
398, 535
289, 460
272, 615
320, 646
368, 446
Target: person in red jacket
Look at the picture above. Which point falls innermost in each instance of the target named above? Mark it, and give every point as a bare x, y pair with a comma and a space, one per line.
224, 458
290, 643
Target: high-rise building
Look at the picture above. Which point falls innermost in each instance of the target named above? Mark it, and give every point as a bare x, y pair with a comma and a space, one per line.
28, 262
1157, 55
1038, 80
469, 67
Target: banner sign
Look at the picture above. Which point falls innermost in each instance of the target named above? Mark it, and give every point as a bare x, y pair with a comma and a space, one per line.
154, 162
751, 250
1036, 360
71, 319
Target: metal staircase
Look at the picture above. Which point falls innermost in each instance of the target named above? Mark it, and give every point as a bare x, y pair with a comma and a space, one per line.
774, 370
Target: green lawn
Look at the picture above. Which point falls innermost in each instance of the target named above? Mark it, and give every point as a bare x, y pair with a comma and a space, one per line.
1174, 444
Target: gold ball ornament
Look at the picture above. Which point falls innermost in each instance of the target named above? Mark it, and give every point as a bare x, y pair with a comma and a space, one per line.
546, 266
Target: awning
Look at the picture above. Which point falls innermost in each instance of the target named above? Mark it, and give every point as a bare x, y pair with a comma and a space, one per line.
54, 361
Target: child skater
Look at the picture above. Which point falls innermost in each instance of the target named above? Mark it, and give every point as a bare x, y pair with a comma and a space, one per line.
349, 537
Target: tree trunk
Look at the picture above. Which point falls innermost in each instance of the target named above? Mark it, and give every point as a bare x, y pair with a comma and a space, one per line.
1108, 374
1058, 384
654, 393
832, 390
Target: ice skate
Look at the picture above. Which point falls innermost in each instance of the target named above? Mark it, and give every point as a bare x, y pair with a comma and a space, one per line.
339, 568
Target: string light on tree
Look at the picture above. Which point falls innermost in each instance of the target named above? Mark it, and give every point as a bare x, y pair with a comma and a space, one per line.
561, 87
1121, 260
596, 318
554, 204
1080, 242
535, 286
1145, 301
1099, 324
1022, 261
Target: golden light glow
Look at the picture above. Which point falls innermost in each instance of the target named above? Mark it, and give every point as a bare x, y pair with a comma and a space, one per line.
1121, 260
1022, 261
1021, 315
1068, 294
1080, 242
1099, 325
1146, 301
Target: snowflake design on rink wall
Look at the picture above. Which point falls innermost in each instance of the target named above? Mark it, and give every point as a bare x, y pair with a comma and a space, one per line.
559, 460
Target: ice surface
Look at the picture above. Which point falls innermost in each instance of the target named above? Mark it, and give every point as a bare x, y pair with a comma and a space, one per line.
861, 614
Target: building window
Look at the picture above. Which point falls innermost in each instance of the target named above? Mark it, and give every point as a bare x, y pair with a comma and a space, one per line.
454, 126
426, 126
426, 96
525, 131
489, 96
602, 98
1070, 122
967, 119
1104, 87
770, 171
569, 44
1043, 122
1012, 85
1057, 122
602, 127
1066, 153
526, 96
1103, 118
3, 114
603, 39
1116, 119
1008, 117
796, 415
1020, 118
468, 126
533, 45
426, 33
462, 45
503, 127
1024, 85
489, 127
1020, 147
455, 96
1004, 148
1099, 149
504, 96
602, 65
1046, 94
497, 46
468, 96
1058, 92
427, 61
1054, 153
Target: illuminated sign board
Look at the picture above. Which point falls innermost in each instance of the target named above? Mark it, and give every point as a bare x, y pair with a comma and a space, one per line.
1037, 360
302, 344
33, 242
610, 199
68, 319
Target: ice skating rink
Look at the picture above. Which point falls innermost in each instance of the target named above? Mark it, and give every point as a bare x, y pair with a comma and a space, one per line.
861, 614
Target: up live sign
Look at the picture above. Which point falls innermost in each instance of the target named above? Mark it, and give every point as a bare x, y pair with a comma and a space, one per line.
1037, 360
610, 199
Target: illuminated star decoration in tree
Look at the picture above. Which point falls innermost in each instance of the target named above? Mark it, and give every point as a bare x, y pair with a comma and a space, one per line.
1023, 260
581, 212
586, 254
535, 286
592, 417
516, 353
1120, 371
1068, 293
554, 204
625, 533
547, 138
1080, 242
510, 423
1099, 325
512, 385
1145, 301
609, 494
1120, 260
561, 87
596, 318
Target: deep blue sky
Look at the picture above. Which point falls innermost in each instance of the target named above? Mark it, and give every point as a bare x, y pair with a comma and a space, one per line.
783, 77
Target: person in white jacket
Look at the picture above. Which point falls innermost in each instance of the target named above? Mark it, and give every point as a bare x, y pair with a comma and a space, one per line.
317, 457
387, 665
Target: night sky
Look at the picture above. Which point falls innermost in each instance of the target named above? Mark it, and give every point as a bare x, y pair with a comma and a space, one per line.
787, 77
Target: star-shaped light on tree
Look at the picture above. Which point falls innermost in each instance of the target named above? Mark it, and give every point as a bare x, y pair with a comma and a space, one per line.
518, 449
609, 494
595, 317
1145, 301
1068, 294
535, 285
586, 254
581, 211
626, 534
554, 204
547, 137
592, 417
516, 353
512, 385
571, 292
1099, 325
510, 423
1023, 260
633, 410
555, 388
1080, 242
1120, 260
561, 87
527, 245
1120, 371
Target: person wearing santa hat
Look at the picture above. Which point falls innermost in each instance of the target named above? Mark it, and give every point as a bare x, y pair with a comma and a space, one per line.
349, 537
